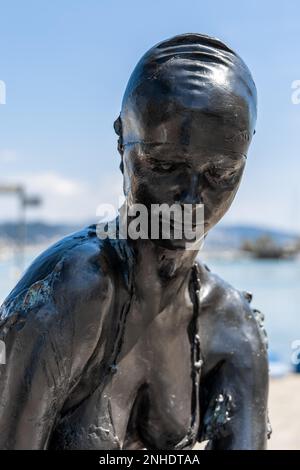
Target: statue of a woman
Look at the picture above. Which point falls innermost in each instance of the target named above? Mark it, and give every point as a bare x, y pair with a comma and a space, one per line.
131, 344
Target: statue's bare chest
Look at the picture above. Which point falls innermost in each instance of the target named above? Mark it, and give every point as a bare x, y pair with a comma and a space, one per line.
150, 395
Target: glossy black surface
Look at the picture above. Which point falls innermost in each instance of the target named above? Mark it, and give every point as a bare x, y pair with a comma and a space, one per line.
123, 344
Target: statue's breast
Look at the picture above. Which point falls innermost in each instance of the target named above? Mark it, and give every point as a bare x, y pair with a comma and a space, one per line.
170, 413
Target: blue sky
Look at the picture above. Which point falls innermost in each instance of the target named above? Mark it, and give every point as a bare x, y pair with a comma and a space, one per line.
66, 64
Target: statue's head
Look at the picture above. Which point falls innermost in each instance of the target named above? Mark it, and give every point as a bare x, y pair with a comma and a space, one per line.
188, 116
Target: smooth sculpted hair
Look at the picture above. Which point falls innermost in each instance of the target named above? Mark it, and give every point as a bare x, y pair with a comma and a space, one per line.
191, 71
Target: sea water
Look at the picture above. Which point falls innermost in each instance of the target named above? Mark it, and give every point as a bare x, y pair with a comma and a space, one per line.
275, 285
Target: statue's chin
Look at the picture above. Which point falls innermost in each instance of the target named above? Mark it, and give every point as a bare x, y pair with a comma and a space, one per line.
176, 244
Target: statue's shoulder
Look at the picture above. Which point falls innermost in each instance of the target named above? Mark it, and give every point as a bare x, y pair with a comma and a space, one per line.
58, 311
216, 291
71, 272
227, 305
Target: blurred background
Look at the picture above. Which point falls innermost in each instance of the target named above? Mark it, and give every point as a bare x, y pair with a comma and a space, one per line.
64, 66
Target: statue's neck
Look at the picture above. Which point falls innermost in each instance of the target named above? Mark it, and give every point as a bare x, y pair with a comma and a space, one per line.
165, 265
159, 271
160, 276
156, 264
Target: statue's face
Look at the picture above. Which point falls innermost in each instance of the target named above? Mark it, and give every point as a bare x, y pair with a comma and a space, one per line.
192, 158
187, 119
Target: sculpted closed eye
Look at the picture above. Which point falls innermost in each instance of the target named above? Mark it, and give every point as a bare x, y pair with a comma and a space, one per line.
166, 166
162, 166
221, 176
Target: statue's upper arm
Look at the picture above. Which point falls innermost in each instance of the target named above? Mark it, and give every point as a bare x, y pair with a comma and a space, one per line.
234, 385
50, 328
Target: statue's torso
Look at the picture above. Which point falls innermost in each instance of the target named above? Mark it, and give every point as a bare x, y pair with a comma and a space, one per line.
147, 396
108, 365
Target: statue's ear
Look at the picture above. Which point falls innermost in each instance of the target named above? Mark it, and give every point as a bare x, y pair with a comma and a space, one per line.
118, 131
118, 126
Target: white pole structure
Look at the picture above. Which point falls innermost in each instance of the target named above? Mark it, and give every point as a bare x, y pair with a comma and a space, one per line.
24, 202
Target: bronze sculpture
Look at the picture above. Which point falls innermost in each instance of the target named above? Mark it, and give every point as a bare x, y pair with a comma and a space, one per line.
131, 344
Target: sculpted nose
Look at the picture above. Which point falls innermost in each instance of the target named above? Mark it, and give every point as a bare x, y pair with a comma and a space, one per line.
192, 192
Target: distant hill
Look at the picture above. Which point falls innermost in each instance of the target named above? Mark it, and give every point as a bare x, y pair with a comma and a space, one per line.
36, 232
232, 236
222, 237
